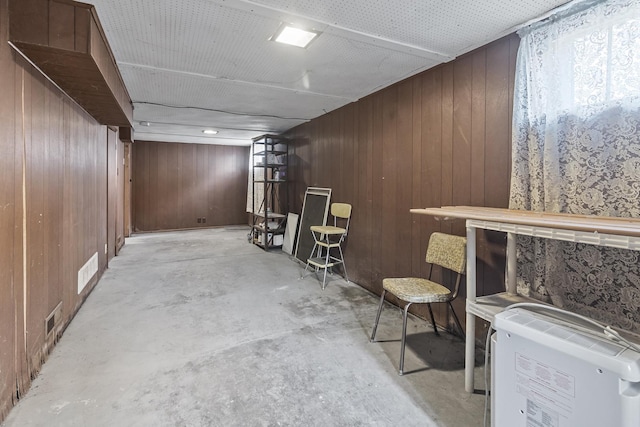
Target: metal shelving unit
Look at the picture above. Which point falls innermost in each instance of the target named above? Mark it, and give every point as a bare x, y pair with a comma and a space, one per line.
270, 196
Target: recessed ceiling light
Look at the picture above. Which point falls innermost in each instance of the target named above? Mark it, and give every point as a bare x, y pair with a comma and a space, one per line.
288, 34
209, 132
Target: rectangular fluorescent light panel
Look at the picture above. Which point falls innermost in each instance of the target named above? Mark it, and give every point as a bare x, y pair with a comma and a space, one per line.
295, 36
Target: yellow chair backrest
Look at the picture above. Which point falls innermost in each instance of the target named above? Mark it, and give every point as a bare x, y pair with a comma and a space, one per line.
448, 251
341, 210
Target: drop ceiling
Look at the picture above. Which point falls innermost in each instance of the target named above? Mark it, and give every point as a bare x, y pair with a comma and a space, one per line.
190, 65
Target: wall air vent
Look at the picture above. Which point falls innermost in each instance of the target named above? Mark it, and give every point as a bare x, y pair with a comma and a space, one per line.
87, 271
53, 319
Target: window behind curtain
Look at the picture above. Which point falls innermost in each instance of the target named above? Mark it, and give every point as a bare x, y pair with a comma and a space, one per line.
576, 149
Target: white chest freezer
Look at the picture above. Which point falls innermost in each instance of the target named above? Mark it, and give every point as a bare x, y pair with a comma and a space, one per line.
549, 373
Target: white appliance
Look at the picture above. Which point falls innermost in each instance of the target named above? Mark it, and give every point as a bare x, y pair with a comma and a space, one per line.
547, 372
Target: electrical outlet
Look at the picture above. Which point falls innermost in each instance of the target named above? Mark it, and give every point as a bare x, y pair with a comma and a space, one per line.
204, 220
199, 220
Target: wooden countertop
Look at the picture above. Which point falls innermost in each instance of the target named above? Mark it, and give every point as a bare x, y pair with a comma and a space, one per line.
586, 223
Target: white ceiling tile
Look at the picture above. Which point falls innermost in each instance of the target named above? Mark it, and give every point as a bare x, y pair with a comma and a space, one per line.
200, 119
214, 57
444, 26
186, 90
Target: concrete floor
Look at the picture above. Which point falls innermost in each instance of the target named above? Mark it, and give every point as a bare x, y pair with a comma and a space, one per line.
201, 328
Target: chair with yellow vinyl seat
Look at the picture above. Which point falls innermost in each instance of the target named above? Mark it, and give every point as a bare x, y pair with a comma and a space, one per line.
327, 250
447, 252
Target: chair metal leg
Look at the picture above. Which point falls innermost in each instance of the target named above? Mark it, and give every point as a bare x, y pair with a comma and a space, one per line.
404, 337
326, 264
305, 270
433, 320
324, 277
344, 266
455, 317
310, 256
375, 325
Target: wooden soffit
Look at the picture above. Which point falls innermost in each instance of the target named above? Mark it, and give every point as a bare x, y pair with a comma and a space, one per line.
125, 134
65, 41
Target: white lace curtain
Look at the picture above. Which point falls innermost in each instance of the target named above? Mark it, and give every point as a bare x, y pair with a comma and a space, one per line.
576, 149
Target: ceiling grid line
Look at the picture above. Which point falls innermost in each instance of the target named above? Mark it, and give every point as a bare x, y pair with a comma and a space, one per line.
198, 64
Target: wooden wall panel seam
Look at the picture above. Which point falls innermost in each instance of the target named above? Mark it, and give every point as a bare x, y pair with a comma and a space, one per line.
176, 184
54, 176
458, 122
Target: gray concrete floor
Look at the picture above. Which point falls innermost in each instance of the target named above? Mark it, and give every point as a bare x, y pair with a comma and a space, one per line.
201, 328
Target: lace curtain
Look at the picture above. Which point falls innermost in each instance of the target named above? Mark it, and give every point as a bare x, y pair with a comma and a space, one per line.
576, 149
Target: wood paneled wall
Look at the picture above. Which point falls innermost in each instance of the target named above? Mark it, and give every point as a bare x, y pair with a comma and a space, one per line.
53, 207
119, 179
440, 138
175, 184
11, 271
